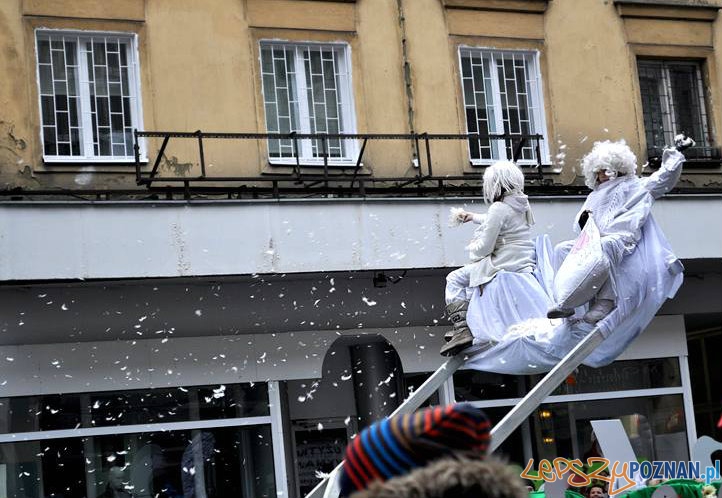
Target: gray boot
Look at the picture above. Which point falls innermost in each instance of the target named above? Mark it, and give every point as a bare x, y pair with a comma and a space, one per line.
460, 337
456, 312
600, 309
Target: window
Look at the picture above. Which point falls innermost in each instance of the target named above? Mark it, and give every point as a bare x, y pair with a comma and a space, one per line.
213, 441
307, 89
673, 102
502, 94
89, 96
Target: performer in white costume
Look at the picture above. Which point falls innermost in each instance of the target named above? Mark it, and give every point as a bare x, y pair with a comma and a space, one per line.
620, 203
501, 243
644, 273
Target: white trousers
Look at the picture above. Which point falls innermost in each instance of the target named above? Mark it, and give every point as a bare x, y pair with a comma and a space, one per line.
457, 285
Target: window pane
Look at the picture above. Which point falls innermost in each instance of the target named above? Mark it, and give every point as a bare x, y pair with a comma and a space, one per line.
75, 141
277, 66
686, 99
477, 117
49, 143
47, 105
214, 462
322, 84
145, 406
44, 51
472, 385
673, 102
501, 95
108, 84
652, 89
655, 426
622, 375
46, 79
323, 102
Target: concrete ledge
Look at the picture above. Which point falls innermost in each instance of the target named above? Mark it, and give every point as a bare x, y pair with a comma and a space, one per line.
121, 10
668, 9
309, 14
528, 6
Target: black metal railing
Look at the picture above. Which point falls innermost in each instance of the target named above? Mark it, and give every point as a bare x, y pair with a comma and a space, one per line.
324, 169
698, 156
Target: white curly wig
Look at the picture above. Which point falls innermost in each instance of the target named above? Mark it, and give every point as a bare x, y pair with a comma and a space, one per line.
502, 177
614, 158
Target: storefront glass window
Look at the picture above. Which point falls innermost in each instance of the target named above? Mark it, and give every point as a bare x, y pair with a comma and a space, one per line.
209, 462
471, 385
144, 406
655, 426
622, 375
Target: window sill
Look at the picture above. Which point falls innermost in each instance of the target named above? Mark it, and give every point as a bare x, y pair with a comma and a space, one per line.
314, 163
91, 161
88, 166
521, 164
524, 6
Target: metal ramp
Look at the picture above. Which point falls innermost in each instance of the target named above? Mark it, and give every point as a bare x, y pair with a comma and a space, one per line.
328, 487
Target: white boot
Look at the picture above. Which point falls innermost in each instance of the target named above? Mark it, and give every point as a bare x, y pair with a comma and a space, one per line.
600, 309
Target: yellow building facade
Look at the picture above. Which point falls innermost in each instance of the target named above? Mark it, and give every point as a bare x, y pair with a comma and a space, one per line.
573, 71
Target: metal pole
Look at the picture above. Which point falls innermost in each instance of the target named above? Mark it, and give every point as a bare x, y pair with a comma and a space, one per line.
432, 384
428, 156
202, 155
136, 151
295, 153
544, 388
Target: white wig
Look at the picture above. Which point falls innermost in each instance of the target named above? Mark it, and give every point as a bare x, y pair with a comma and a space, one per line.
500, 178
614, 158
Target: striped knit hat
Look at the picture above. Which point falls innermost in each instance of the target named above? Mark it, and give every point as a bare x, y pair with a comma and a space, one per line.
394, 446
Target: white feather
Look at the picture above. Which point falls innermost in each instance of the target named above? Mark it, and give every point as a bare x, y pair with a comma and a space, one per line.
456, 217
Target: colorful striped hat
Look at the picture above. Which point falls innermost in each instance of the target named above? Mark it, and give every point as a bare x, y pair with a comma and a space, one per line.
394, 446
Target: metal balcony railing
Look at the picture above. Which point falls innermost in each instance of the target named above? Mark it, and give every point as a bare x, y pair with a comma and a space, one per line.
324, 170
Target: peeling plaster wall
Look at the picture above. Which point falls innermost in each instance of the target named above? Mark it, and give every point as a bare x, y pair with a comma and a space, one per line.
199, 70
16, 136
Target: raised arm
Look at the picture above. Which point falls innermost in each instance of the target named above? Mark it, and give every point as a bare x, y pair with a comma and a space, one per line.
665, 178
484, 243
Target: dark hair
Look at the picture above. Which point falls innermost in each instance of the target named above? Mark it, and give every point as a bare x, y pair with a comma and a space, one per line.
452, 478
589, 489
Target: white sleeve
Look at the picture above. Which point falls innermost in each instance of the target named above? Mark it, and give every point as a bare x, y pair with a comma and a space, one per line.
478, 218
484, 244
665, 178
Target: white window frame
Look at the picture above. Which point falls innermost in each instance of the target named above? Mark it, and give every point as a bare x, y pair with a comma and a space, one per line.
536, 105
84, 97
345, 93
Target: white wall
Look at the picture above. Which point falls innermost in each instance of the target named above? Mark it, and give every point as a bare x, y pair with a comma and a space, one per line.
118, 365
142, 239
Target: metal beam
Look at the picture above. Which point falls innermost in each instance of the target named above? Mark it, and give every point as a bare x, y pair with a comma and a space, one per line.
328, 487
544, 388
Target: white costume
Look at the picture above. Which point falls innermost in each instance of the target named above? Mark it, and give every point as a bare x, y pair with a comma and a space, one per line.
620, 208
502, 243
644, 273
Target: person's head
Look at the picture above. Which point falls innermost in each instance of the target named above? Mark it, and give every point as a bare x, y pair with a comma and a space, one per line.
452, 478
501, 178
595, 491
115, 478
394, 446
608, 160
